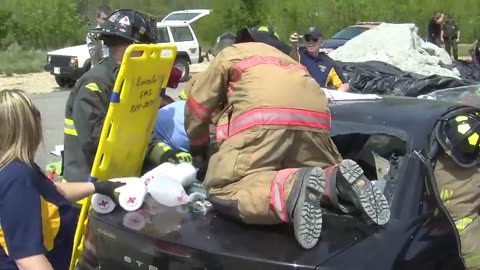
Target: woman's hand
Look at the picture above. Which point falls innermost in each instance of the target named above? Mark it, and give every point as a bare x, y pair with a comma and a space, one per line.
36, 262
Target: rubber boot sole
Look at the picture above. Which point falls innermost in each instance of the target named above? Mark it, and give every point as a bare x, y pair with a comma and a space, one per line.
363, 193
307, 217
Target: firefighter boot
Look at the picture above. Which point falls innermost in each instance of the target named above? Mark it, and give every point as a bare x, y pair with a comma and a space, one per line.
303, 205
351, 192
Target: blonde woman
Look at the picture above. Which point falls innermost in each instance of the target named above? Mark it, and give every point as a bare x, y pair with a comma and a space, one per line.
36, 217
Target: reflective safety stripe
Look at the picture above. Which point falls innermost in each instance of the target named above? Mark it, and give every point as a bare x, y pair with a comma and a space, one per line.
183, 95
462, 223
274, 116
158, 151
472, 262
197, 110
184, 157
446, 195
277, 194
461, 118
265, 29
69, 127
464, 127
93, 87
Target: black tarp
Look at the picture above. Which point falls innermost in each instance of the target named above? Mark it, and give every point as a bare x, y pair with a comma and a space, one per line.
375, 77
468, 70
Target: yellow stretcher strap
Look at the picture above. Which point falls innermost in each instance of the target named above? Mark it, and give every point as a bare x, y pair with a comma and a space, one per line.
129, 122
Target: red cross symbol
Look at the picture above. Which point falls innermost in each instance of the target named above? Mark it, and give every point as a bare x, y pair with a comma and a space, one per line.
181, 196
131, 200
135, 220
148, 180
103, 203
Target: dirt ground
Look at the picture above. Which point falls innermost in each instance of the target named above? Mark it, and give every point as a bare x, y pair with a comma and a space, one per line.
42, 82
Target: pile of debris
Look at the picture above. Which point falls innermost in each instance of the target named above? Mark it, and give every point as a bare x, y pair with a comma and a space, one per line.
398, 45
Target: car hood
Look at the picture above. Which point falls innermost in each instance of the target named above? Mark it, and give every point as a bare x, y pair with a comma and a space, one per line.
214, 235
333, 43
79, 50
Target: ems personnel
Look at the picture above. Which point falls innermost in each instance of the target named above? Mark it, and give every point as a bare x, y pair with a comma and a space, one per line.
272, 145
451, 36
458, 179
321, 67
88, 102
169, 139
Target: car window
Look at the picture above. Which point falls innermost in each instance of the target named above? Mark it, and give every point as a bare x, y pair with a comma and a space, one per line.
373, 152
349, 32
163, 35
181, 16
182, 33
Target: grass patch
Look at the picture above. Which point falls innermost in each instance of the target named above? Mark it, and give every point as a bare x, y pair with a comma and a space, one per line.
463, 50
14, 60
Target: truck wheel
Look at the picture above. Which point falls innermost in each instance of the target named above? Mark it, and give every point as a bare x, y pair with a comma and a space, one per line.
183, 66
65, 82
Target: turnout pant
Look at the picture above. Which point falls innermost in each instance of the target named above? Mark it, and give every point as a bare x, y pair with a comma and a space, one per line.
252, 174
460, 192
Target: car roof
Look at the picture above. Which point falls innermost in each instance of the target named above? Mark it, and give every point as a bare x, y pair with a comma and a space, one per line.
413, 117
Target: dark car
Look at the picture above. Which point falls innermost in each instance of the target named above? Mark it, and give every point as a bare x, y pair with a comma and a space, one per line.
347, 33
395, 131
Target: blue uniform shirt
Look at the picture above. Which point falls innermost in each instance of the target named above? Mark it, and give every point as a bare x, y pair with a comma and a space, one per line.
169, 126
35, 218
322, 68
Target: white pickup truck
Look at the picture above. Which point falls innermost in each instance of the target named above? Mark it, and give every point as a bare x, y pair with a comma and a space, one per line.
68, 64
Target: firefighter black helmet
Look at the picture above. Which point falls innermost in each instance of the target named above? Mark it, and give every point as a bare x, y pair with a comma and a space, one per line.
459, 137
263, 34
129, 25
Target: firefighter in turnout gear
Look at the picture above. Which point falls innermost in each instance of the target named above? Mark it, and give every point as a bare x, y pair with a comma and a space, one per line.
458, 179
273, 146
88, 102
